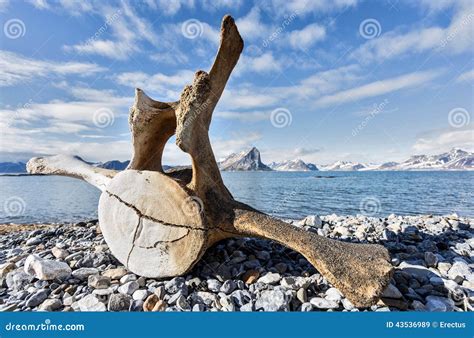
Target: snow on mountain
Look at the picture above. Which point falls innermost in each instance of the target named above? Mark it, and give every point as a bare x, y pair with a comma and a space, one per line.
455, 159
344, 166
247, 160
293, 165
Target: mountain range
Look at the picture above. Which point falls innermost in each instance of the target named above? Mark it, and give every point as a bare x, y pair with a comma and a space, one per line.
250, 160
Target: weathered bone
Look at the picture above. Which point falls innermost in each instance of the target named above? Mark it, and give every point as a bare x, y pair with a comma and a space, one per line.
160, 224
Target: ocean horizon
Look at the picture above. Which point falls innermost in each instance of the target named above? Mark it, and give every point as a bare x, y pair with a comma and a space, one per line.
286, 195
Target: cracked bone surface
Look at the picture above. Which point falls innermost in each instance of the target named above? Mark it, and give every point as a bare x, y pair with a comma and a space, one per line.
160, 224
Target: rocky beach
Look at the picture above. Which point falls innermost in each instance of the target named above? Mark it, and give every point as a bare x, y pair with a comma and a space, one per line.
69, 267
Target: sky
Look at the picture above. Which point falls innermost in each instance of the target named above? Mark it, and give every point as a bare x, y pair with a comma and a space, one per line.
320, 80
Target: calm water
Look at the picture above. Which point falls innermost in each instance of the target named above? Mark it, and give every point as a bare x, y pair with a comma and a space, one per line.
284, 194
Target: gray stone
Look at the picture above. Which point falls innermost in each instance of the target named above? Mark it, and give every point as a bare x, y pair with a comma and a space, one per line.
128, 288
198, 308
430, 259
459, 271
228, 286
183, 304
59, 253
214, 285
322, 303
301, 295
347, 304
306, 307
46, 269
128, 278
50, 305
18, 279
439, 304
140, 294
289, 283
84, 273
98, 281
37, 298
91, 303
333, 294
116, 273
119, 302
270, 278
392, 292
272, 300
313, 221
247, 307
175, 285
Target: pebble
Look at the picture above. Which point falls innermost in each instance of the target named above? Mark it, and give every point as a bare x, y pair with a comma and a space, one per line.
116, 273
84, 273
119, 302
59, 253
333, 294
392, 292
251, 276
50, 305
128, 288
433, 256
98, 281
272, 300
322, 303
46, 269
91, 303
37, 298
270, 278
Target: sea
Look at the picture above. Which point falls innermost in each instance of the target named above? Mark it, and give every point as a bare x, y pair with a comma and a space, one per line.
288, 195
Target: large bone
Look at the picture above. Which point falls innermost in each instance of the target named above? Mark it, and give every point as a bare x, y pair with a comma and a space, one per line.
160, 224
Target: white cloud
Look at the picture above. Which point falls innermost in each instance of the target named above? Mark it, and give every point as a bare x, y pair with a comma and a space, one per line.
379, 87
264, 63
4, 5
307, 37
466, 76
247, 116
458, 37
167, 86
40, 4
303, 7
251, 26
15, 68
128, 29
446, 140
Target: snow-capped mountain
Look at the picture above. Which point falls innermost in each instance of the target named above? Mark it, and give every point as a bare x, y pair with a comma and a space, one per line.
244, 161
293, 165
344, 166
452, 160
455, 159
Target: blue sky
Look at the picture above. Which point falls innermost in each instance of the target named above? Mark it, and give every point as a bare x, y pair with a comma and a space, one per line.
367, 81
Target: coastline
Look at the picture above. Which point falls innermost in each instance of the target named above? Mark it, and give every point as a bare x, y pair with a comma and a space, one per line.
432, 256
